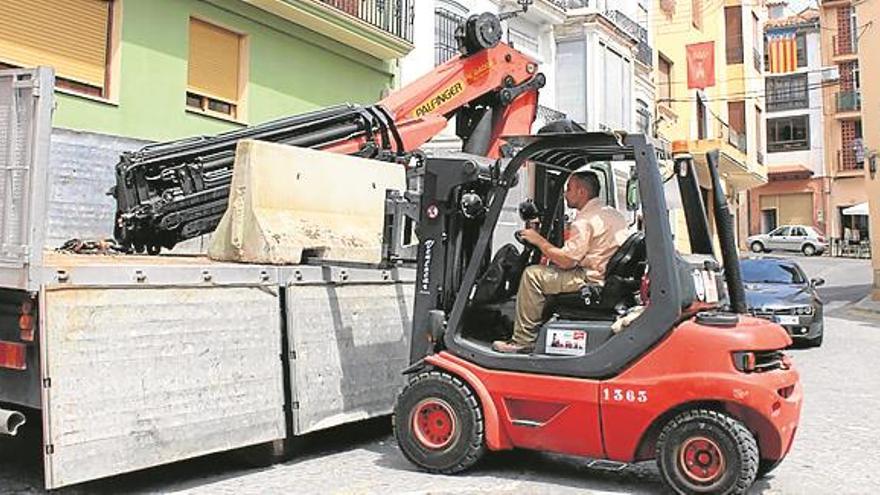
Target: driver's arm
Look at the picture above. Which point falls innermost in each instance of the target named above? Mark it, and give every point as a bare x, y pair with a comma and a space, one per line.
568, 256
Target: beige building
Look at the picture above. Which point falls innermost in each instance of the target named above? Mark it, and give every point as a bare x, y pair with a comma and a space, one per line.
869, 44
844, 152
709, 92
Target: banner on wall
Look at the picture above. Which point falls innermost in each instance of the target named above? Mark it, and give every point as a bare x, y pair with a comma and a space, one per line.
701, 65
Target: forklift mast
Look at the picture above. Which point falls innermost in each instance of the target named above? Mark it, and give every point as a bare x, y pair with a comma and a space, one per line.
169, 192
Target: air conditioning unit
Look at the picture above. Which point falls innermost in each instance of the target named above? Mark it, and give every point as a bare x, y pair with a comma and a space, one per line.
830, 74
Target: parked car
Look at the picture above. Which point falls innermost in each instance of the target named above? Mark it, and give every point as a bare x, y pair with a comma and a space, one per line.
778, 290
801, 238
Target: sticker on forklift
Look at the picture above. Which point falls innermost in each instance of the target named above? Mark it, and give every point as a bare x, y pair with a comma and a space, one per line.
705, 285
439, 99
567, 342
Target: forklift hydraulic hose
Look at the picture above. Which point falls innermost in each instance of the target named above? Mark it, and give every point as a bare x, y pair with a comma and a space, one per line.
10, 422
727, 238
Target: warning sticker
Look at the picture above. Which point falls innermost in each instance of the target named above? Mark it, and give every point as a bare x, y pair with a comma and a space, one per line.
567, 342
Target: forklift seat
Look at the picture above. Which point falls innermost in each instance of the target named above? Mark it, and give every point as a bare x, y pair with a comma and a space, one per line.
600, 302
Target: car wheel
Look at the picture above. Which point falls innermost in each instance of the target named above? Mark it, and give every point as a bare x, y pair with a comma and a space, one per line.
704, 451
809, 249
438, 423
757, 247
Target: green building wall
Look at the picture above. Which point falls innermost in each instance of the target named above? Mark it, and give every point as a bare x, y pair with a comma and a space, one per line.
291, 70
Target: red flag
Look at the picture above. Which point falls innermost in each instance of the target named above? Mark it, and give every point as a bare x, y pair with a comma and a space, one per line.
701, 65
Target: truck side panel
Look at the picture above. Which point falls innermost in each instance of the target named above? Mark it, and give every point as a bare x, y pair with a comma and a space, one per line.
350, 336
137, 377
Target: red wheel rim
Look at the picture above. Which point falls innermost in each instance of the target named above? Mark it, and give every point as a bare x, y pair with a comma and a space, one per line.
701, 460
434, 423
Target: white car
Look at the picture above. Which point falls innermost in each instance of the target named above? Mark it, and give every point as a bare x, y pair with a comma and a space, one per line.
801, 238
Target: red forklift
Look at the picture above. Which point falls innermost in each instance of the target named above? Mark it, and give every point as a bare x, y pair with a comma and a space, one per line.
691, 381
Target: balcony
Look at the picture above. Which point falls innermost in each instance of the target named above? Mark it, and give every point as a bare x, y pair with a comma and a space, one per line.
848, 101
737, 140
844, 46
847, 161
627, 25
758, 59
394, 17
380, 28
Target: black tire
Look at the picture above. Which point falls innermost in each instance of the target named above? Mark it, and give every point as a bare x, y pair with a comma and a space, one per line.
808, 250
816, 341
766, 466
720, 447
757, 247
442, 401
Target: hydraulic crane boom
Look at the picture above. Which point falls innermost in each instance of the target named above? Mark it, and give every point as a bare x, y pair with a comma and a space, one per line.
170, 192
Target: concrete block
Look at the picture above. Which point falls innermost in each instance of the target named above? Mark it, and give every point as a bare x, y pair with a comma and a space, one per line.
286, 200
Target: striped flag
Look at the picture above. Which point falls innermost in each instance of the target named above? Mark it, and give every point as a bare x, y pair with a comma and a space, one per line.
782, 46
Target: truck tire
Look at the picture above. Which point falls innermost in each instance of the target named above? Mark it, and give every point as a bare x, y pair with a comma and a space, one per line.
438, 423
704, 451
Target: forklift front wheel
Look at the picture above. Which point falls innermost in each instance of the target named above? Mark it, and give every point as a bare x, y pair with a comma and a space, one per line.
438, 423
704, 451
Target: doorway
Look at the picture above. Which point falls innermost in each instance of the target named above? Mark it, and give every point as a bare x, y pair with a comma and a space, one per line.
768, 220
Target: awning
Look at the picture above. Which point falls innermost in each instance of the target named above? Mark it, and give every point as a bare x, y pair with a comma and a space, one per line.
859, 209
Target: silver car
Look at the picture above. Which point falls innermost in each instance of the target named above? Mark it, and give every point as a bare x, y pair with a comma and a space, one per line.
801, 238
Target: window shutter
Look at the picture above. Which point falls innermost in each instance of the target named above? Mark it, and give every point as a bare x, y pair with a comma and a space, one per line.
214, 57
70, 36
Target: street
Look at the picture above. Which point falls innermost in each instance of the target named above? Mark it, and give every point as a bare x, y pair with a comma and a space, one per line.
832, 453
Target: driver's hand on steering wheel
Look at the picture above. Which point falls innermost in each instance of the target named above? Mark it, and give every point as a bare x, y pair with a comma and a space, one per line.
531, 236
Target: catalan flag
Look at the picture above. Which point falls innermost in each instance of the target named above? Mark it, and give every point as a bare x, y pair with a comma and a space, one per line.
782, 47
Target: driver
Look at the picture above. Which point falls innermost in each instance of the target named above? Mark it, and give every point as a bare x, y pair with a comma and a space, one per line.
595, 234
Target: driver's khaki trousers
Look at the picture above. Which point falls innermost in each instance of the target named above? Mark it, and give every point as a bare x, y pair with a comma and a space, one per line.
538, 282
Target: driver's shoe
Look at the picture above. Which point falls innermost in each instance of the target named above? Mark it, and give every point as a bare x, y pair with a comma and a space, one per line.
512, 347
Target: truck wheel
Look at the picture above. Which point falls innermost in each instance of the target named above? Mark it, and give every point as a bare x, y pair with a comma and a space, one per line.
703, 451
757, 247
438, 423
808, 250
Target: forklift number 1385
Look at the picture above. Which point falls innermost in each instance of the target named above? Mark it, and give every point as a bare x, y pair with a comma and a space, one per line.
624, 395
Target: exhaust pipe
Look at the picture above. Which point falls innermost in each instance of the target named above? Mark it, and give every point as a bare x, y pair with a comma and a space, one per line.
10, 422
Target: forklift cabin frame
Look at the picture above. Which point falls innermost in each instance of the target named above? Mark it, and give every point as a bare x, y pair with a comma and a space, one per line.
440, 302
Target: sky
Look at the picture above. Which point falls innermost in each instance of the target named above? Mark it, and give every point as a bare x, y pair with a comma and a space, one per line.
798, 5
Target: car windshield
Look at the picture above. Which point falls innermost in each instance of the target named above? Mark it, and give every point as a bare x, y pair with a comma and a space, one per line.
770, 272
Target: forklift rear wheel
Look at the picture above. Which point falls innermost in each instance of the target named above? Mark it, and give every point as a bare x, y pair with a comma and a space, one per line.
704, 451
438, 423
767, 465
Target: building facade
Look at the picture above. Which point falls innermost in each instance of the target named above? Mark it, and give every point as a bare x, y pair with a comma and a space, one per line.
532, 33
794, 121
605, 62
844, 150
710, 87
869, 42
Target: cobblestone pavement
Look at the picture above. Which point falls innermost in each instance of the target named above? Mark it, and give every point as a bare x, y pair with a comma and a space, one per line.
834, 452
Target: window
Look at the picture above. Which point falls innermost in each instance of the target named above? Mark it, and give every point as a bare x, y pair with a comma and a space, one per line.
781, 231
736, 116
734, 34
523, 41
571, 79
801, 43
787, 92
701, 118
214, 76
788, 133
644, 117
697, 13
758, 134
665, 79
73, 36
446, 19
616, 80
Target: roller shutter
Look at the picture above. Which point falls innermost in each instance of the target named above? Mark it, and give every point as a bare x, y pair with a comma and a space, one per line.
214, 61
